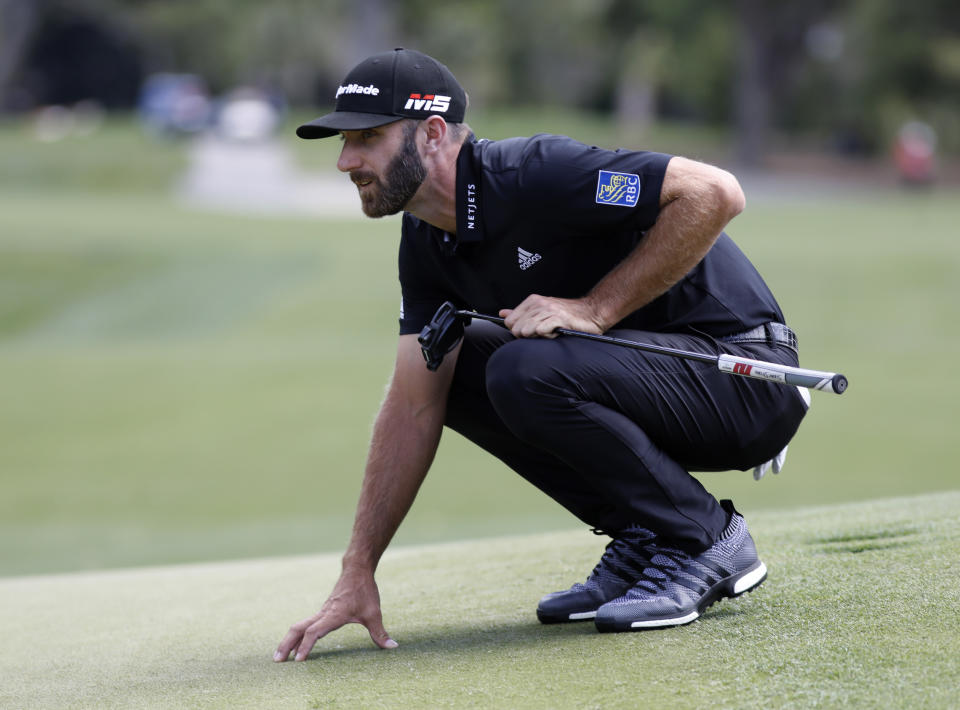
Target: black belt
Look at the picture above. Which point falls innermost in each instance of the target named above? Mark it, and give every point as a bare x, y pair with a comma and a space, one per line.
768, 333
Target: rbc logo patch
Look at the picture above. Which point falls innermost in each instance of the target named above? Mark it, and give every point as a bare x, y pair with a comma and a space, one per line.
618, 189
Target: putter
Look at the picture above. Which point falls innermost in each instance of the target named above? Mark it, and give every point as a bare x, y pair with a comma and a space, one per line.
445, 329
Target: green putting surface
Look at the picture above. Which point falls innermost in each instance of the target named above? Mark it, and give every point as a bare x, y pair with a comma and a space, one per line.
859, 610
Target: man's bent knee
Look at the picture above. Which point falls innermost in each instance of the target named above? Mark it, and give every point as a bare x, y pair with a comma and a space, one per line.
524, 383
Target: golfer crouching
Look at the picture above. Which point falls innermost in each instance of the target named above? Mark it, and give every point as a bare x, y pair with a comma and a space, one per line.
550, 233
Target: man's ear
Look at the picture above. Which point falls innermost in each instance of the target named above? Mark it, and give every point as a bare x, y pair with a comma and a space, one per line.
435, 129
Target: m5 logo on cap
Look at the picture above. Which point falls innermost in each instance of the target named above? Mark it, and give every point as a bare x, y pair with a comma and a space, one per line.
428, 102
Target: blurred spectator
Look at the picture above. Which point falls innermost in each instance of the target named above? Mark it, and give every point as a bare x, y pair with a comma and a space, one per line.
914, 153
174, 104
248, 115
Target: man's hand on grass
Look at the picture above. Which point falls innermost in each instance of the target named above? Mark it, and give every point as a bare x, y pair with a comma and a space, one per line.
355, 600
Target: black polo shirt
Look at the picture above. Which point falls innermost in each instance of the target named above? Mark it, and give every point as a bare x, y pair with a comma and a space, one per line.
551, 216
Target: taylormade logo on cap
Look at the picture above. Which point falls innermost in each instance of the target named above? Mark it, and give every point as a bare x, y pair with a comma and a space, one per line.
356, 89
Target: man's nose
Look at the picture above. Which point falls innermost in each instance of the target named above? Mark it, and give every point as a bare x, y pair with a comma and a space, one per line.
349, 159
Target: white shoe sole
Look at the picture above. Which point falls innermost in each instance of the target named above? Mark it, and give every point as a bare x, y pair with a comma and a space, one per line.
747, 582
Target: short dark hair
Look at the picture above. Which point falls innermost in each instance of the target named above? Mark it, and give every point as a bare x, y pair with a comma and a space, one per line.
456, 132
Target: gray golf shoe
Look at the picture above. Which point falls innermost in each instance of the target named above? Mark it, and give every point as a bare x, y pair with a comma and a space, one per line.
619, 569
676, 588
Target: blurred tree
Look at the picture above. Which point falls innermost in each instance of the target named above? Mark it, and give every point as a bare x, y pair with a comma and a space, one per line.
682, 49
54, 51
844, 73
18, 22
909, 67
79, 57
770, 49
866, 67
641, 77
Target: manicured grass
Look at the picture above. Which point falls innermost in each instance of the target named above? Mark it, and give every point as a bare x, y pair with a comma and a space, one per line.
858, 611
185, 386
117, 157
182, 386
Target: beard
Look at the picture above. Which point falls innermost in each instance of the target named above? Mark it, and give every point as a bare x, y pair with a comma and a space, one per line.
402, 179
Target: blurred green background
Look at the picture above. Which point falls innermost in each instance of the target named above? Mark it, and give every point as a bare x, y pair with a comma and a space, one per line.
191, 355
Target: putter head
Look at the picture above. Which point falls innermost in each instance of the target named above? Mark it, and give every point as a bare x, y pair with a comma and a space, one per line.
440, 335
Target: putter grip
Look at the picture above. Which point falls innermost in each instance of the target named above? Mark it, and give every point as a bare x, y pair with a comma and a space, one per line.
784, 374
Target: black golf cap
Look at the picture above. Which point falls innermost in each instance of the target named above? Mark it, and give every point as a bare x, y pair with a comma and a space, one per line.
387, 87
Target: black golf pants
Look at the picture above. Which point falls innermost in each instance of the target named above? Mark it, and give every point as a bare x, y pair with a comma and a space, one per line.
611, 433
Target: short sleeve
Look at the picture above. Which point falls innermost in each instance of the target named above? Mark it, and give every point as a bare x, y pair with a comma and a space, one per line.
591, 188
421, 291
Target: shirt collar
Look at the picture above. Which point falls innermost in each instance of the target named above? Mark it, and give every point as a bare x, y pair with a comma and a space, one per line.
469, 213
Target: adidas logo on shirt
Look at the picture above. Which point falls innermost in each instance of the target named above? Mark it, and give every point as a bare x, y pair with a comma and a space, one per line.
526, 259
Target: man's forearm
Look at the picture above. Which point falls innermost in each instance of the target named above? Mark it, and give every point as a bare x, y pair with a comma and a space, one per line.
405, 438
402, 448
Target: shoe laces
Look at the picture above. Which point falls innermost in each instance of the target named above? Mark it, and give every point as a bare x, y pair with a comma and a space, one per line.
671, 569
624, 558
666, 565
